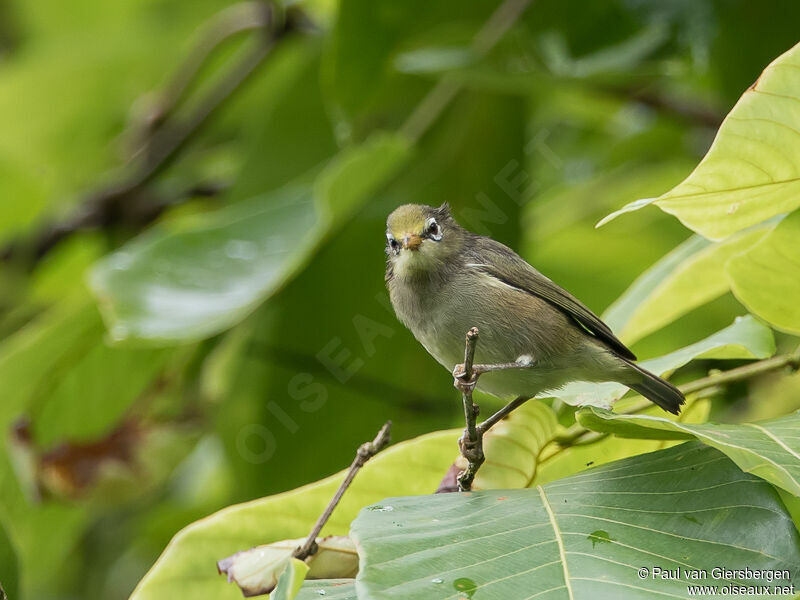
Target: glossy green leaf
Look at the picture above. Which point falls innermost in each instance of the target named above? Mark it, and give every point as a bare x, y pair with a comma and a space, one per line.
769, 449
186, 568
690, 276
751, 172
766, 277
745, 338
583, 537
170, 287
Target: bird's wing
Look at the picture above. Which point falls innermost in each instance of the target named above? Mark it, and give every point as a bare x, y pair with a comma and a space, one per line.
504, 264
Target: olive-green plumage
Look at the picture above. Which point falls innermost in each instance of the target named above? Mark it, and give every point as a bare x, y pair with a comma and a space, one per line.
443, 280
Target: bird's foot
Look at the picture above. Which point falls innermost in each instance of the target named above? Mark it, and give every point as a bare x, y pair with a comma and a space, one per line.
460, 381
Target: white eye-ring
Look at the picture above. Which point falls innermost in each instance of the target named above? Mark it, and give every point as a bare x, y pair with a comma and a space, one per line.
432, 229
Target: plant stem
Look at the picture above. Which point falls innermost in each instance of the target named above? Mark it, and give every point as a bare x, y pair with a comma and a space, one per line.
366, 451
432, 105
166, 136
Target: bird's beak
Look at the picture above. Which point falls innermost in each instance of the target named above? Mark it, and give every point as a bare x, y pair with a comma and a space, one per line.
411, 241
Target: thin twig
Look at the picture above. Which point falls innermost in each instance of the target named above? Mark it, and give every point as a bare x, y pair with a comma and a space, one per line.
501, 414
223, 26
111, 204
445, 90
364, 453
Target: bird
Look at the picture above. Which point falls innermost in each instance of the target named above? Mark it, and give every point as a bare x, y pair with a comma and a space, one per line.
444, 280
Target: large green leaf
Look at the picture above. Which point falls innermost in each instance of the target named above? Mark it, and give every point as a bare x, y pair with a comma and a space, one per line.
766, 278
769, 449
690, 276
745, 338
170, 287
687, 507
186, 568
619, 314
750, 174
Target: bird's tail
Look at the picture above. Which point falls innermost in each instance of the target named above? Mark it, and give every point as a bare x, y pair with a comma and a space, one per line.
655, 389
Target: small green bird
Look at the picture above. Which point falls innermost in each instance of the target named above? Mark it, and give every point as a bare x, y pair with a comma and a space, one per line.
443, 280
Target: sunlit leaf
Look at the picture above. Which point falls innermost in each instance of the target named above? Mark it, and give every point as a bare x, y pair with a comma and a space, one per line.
750, 174
687, 507
618, 315
690, 276
769, 449
766, 278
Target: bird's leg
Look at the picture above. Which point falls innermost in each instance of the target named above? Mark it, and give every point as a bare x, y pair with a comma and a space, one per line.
465, 376
501, 414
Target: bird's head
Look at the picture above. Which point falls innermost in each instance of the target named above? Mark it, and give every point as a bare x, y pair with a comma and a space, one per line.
420, 237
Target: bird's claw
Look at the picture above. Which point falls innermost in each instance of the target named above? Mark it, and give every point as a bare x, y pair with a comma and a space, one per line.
460, 381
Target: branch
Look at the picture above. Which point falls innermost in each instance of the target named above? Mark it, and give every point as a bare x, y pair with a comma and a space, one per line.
685, 110
125, 201
364, 453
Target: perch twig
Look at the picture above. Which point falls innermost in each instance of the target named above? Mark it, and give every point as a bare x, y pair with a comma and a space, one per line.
471, 443
366, 451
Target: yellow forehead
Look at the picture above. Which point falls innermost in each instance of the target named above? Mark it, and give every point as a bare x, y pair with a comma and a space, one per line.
409, 218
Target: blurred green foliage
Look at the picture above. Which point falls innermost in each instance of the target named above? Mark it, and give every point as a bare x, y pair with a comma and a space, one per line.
275, 353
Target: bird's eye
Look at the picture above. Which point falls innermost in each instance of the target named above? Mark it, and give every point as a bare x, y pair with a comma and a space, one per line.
432, 229
393, 243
